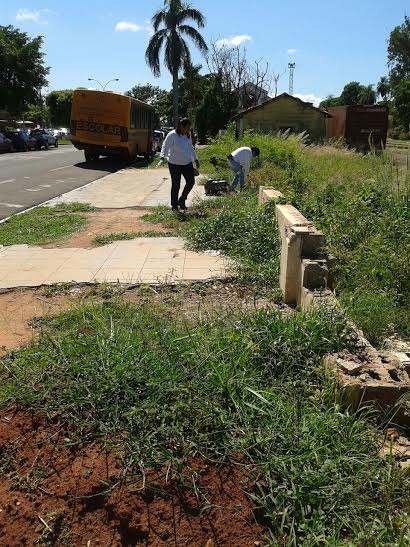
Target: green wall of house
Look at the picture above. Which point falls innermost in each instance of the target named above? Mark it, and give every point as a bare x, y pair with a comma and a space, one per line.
281, 114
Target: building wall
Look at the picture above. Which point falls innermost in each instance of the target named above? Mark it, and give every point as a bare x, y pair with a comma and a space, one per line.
282, 114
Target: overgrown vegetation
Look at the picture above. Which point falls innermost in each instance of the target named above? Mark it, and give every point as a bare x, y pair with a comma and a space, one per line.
106, 239
362, 203
43, 224
234, 385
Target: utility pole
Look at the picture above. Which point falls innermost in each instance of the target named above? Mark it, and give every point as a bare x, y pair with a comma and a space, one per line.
291, 67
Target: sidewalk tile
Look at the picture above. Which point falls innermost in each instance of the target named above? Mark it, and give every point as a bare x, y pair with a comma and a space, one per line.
68, 275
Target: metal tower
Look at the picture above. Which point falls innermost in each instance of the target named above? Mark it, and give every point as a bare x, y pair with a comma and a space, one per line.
291, 67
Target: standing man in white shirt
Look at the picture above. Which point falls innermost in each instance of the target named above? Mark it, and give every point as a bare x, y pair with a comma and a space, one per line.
240, 163
181, 155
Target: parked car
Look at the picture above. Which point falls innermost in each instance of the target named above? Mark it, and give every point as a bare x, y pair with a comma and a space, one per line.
61, 132
5, 144
21, 141
158, 140
44, 138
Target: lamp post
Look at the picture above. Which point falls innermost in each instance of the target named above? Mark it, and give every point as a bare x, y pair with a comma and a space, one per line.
103, 86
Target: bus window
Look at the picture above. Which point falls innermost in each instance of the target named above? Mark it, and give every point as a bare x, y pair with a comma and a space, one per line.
133, 117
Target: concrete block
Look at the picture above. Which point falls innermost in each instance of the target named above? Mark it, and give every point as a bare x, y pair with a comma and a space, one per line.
290, 264
267, 193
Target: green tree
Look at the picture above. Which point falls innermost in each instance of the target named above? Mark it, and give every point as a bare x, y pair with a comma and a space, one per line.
148, 93
330, 101
170, 28
367, 94
191, 86
22, 70
402, 103
351, 94
38, 113
159, 98
398, 52
59, 104
214, 111
383, 88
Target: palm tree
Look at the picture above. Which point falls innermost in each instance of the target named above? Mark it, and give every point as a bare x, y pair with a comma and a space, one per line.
169, 31
383, 87
367, 94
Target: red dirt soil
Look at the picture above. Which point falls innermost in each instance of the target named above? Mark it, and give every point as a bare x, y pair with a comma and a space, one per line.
50, 493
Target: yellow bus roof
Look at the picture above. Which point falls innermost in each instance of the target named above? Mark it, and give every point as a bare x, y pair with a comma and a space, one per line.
80, 89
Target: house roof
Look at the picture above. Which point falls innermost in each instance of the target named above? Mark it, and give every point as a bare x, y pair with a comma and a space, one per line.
283, 95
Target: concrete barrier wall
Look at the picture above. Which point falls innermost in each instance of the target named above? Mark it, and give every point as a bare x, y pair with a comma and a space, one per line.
303, 264
382, 378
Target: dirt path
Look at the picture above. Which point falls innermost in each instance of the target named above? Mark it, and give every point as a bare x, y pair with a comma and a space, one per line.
107, 221
19, 307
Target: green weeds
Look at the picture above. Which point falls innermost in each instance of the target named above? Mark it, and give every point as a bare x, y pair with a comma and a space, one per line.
106, 239
43, 224
221, 386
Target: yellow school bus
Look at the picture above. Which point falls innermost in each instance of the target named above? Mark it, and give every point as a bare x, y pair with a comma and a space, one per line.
104, 123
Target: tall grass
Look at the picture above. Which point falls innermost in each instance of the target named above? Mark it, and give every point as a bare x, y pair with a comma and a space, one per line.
247, 388
362, 204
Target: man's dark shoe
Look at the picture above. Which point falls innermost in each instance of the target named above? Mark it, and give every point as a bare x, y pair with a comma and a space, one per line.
175, 209
182, 205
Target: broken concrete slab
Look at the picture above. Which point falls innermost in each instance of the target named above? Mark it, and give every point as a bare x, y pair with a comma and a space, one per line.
372, 377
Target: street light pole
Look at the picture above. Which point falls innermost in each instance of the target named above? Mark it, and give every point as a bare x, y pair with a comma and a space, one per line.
103, 86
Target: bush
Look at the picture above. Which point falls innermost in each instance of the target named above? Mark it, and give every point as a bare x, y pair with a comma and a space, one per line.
242, 231
363, 208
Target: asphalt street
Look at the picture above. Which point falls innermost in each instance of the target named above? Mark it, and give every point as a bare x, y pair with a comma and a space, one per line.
30, 178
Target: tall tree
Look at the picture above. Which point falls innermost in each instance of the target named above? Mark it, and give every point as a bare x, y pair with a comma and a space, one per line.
402, 103
215, 108
351, 94
191, 85
170, 28
59, 104
398, 52
383, 87
22, 70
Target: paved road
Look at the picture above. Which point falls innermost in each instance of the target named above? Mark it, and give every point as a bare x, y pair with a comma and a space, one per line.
29, 178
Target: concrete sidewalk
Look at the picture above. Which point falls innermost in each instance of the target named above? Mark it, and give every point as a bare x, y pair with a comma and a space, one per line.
130, 187
142, 260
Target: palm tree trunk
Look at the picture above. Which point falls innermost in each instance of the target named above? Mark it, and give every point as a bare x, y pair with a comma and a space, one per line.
175, 91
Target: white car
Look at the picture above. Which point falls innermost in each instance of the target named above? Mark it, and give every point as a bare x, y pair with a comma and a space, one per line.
60, 133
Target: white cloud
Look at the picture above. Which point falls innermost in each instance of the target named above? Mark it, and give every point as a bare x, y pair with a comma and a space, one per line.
124, 26
234, 40
309, 98
24, 14
292, 51
128, 26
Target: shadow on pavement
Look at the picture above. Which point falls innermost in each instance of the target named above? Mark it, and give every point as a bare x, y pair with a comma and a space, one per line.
112, 164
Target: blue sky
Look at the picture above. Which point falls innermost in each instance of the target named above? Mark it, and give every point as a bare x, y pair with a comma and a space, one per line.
331, 42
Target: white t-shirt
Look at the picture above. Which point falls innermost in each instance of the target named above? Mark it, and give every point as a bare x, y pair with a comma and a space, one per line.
178, 149
243, 156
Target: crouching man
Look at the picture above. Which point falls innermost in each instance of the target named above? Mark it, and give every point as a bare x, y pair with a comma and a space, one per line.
240, 163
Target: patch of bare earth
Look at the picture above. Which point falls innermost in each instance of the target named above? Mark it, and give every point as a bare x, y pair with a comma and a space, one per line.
19, 307
107, 221
54, 492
